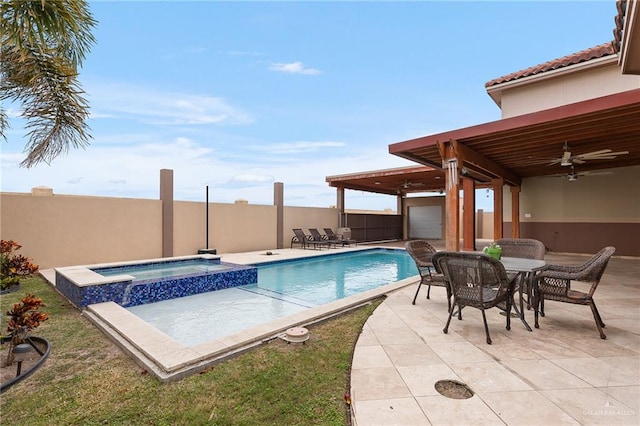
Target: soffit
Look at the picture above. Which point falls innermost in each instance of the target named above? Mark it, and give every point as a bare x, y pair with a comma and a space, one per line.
526, 144
395, 181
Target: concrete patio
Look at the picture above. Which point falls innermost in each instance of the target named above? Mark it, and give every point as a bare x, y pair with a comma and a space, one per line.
561, 373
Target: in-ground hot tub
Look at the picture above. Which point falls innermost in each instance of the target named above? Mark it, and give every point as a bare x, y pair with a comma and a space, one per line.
138, 283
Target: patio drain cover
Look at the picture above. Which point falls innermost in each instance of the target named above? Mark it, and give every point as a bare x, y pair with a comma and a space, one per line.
453, 389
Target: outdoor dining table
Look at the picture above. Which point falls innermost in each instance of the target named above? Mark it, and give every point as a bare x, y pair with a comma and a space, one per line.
526, 270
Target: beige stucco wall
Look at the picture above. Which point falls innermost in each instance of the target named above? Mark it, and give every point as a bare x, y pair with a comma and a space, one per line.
232, 227
484, 225
305, 217
551, 89
609, 198
63, 230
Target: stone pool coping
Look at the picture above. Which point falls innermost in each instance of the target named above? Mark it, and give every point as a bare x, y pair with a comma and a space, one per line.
170, 360
83, 275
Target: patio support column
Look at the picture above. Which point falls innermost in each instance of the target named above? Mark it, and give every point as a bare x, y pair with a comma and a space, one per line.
497, 184
166, 197
515, 212
340, 206
452, 205
468, 214
278, 201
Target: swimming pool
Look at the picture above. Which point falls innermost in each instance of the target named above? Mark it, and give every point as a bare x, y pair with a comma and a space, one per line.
283, 288
170, 358
165, 269
141, 282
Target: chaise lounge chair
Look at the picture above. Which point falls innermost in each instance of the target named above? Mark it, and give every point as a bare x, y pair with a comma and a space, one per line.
344, 241
317, 237
305, 240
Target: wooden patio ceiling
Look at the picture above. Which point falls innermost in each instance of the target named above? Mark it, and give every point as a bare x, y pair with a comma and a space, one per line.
526, 145
399, 181
522, 146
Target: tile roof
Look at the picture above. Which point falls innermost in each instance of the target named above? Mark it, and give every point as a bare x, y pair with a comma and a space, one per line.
595, 52
621, 6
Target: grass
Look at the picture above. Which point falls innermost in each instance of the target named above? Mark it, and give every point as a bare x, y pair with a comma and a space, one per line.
88, 380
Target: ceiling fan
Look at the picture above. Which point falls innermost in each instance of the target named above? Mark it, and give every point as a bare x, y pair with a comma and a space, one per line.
573, 175
407, 184
568, 159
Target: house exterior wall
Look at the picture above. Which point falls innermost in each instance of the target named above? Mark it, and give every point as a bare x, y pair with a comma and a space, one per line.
581, 216
561, 88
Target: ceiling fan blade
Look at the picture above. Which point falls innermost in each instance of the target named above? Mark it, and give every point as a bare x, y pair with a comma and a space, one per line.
595, 173
601, 157
593, 153
578, 161
613, 154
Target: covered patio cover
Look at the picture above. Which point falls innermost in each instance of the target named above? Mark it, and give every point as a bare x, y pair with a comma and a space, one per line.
505, 151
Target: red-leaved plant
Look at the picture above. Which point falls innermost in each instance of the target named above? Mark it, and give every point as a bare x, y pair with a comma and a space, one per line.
13, 266
23, 318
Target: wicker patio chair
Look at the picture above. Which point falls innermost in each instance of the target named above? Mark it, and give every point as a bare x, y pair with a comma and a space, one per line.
554, 283
522, 247
421, 252
476, 280
525, 248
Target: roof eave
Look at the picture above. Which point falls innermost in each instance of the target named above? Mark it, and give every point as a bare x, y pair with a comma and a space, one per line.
629, 58
495, 91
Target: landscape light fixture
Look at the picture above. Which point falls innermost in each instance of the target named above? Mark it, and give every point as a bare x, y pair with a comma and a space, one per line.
20, 353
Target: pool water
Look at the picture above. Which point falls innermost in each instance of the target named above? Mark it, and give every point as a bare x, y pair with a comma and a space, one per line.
156, 271
283, 288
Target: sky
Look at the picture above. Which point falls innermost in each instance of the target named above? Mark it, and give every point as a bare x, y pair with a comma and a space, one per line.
239, 95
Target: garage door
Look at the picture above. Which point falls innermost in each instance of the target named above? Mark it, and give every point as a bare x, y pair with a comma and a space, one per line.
425, 222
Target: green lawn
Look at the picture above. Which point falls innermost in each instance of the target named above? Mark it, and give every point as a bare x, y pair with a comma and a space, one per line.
87, 380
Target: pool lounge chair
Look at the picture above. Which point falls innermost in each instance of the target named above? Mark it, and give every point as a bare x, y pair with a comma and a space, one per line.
318, 237
344, 241
305, 240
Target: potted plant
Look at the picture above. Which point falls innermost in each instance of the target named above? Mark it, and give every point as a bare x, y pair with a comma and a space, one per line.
493, 250
13, 266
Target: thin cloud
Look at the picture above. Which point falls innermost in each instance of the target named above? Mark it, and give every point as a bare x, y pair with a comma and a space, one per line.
294, 68
159, 107
252, 178
296, 147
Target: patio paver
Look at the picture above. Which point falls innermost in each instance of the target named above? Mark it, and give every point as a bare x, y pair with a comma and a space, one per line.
561, 373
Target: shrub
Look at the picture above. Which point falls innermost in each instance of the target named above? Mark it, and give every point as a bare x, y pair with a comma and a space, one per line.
13, 266
23, 318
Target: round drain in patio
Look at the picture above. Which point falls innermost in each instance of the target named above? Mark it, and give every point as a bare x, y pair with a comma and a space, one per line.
453, 389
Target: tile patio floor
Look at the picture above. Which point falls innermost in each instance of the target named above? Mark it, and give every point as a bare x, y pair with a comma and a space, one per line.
561, 373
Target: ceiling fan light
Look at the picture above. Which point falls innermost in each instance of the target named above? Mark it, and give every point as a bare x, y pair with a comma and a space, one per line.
565, 162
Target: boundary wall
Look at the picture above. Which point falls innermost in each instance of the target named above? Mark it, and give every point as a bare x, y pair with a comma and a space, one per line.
63, 230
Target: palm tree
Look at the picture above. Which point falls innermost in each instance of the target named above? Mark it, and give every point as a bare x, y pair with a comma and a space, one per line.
43, 42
